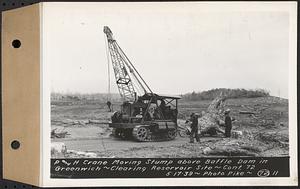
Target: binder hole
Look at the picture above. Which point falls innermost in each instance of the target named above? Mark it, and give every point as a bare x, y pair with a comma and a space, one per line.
13, 4
15, 144
16, 43
3, 4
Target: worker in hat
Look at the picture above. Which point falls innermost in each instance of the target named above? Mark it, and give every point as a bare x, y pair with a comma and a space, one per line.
228, 124
194, 128
108, 103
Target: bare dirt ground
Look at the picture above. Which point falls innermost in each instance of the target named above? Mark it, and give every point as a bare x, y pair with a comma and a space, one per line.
89, 134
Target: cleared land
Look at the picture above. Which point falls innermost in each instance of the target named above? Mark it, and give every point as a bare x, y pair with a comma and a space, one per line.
265, 131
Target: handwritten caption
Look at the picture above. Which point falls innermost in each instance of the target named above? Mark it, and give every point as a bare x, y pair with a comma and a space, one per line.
152, 167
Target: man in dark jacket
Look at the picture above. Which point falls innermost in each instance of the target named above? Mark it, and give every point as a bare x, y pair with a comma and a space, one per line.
194, 128
108, 103
228, 124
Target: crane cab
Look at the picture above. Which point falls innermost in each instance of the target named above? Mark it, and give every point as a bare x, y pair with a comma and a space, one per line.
151, 113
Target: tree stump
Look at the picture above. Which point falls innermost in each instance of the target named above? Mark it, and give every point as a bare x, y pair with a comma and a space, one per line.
209, 122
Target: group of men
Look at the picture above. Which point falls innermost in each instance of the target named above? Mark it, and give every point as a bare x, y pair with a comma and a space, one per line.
194, 126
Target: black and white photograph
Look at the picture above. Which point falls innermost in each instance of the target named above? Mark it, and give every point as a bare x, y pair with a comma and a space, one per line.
169, 84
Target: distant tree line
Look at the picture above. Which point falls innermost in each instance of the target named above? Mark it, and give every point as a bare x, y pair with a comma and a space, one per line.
230, 93
79, 96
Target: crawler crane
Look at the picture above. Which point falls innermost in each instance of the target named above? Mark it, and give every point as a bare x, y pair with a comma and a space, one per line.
144, 115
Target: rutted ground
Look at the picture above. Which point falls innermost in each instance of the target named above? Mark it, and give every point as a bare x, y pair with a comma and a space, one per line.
265, 133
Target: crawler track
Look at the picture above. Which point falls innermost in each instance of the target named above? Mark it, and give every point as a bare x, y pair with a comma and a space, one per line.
142, 133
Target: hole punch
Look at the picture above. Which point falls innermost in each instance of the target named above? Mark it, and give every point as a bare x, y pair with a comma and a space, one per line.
15, 144
16, 43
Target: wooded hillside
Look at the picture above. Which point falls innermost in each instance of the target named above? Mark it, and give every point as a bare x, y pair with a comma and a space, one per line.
229, 93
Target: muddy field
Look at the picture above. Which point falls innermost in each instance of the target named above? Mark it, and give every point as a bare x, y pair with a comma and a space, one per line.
264, 132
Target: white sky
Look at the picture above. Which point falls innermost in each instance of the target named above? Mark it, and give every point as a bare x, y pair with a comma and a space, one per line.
176, 47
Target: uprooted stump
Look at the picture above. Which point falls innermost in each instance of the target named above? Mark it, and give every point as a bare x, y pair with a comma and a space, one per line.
228, 151
58, 149
209, 123
58, 134
275, 137
234, 147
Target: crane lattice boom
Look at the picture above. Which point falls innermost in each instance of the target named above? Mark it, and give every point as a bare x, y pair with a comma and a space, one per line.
128, 80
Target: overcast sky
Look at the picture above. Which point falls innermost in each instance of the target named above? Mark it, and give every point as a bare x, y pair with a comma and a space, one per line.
177, 48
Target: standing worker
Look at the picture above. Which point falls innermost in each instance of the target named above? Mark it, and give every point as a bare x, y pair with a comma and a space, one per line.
108, 103
162, 108
228, 124
194, 128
